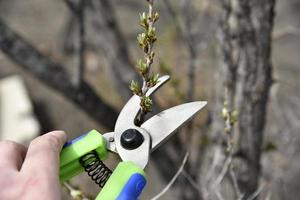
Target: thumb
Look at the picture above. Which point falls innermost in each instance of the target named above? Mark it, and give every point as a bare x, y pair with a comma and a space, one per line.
43, 153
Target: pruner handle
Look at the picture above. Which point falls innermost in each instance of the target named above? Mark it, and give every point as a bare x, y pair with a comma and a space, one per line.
127, 180
74, 150
126, 183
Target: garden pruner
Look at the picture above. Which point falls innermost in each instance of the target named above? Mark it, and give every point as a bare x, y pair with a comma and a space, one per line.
131, 142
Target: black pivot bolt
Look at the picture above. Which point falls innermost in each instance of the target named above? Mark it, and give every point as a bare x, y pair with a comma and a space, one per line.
131, 139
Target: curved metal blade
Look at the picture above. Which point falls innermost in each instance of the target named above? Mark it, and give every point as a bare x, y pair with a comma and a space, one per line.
129, 112
126, 120
162, 125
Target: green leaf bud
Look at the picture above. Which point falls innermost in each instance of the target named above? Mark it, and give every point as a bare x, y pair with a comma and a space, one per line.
153, 79
142, 67
143, 20
155, 16
224, 113
135, 88
146, 104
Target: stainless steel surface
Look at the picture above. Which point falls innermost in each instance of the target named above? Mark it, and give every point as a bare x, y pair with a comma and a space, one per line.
154, 131
139, 155
129, 112
110, 141
126, 121
162, 80
162, 125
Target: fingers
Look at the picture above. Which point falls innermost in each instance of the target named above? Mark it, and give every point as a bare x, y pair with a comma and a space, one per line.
12, 155
43, 154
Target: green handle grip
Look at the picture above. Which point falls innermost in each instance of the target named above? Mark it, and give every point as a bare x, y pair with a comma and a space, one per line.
74, 150
126, 183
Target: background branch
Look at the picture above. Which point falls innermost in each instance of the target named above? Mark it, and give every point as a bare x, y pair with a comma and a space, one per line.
81, 21
104, 35
52, 74
289, 30
184, 20
173, 179
78, 10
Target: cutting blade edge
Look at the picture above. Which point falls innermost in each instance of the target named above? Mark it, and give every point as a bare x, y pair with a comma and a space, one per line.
161, 126
129, 112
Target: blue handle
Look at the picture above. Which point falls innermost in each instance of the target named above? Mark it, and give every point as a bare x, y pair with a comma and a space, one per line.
133, 188
75, 140
126, 183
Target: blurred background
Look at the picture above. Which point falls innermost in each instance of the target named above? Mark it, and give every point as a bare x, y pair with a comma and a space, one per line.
67, 65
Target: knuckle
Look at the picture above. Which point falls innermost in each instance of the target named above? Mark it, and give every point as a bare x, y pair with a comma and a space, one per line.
9, 144
54, 141
47, 142
36, 142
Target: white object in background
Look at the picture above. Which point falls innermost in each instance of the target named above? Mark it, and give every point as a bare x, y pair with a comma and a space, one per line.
17, 120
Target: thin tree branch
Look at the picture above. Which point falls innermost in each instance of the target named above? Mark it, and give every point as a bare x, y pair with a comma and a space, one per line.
219, 195
184, 28
215, 160
75, 194
235, 184
81, 20
27, 56
121, 66
78, 11
173, 179
72, 5
104, 34
224, 171
290, 30
269, 195
191, 180
257, 192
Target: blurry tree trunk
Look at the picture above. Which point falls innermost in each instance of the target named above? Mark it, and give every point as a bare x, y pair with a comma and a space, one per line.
245, 80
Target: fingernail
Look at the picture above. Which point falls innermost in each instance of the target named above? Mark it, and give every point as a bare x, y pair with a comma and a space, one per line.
60, 134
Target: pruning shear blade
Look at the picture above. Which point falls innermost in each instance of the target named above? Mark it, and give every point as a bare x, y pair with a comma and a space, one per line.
162, 125
131, 109
135, 143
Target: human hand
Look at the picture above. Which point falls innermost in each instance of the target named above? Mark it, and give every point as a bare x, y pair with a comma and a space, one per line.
31, 173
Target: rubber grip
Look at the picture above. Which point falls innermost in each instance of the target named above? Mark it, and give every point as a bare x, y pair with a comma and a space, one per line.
126, 183
133, 188
78, 147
